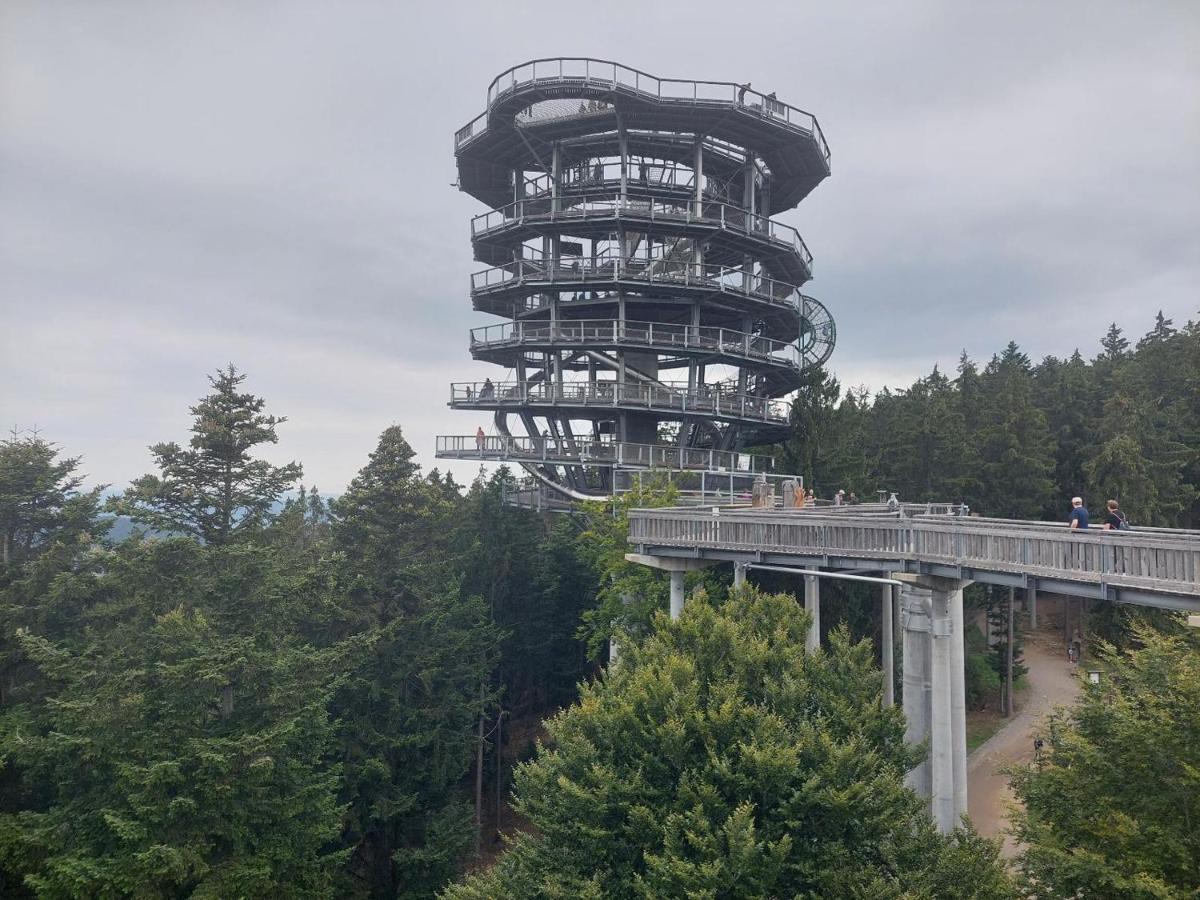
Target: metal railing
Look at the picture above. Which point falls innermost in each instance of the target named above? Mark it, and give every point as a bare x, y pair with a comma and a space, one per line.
720, 215
608, 175
660, 397
614, 333
1155, 561
612, 76
818, 331
655, 271
590, 452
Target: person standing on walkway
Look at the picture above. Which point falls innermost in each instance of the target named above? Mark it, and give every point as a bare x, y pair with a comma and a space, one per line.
1114, 519
1079, 515
480, 438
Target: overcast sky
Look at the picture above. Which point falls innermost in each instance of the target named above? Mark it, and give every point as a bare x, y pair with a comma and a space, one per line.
184, 185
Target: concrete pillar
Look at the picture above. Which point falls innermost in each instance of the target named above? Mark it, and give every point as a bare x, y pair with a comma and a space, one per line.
1031, 601
676, 595
958, 701
915, 614
812, 603
887, 641
614, 646
739, 575
941, 755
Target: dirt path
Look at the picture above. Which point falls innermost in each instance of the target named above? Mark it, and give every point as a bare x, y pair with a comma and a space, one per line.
1051, 684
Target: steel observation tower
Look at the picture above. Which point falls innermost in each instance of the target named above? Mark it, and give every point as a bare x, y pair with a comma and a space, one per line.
651, 299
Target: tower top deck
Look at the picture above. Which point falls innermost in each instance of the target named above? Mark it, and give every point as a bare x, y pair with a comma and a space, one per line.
533, 105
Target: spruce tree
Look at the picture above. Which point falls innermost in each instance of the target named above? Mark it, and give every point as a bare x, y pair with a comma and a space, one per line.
1016, 448
214, 490
41, 501
806, 451
409, 703
178, 751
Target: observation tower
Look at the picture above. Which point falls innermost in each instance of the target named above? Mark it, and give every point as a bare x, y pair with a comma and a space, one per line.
650, 298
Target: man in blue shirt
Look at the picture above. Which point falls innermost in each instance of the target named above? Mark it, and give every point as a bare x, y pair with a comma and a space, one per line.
1079, 514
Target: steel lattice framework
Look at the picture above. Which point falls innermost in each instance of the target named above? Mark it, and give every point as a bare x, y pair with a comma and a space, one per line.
652, 303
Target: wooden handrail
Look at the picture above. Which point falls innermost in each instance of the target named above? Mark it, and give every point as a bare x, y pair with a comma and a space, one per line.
1153, 561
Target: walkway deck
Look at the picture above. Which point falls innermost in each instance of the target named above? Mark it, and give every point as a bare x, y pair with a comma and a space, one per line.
1149, 567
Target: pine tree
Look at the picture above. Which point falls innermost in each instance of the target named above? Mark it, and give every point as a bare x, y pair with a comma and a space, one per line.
1016, 448
41, 501
1113, 344
408, 706
1138, 464
215, 491
997, 618
178, 751
806, 451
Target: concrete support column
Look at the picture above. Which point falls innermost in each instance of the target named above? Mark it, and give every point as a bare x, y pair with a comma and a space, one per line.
676, 595
739, 575
958, 702
1031, 602
887, 641
934, 693
614, 647
812, 603
941, 754
915, 614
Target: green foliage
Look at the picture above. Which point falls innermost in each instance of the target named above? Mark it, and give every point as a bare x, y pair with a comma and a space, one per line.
408, 703
215, 490
981, 680
1018, 440
718, 760
173, 751
1111, 810
40, 500
808, 450
997, 617
628, 594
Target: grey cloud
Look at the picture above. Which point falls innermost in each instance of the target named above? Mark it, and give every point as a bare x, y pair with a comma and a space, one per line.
269, 183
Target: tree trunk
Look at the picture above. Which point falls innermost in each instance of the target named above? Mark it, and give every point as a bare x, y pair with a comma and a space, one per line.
479, 779
1008, 663
499, 763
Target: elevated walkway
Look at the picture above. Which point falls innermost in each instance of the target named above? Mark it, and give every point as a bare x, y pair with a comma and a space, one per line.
927, 557
1148, 567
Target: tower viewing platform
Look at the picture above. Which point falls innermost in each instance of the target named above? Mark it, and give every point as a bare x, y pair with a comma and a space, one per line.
650, 292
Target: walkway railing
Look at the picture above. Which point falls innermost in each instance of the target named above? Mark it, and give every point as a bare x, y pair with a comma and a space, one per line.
605, 74
718, 215
590, 452
1156, 562
612, 333
671, 397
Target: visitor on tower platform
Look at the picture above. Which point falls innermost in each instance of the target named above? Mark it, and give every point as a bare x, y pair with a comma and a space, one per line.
480, 437
1079, 515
